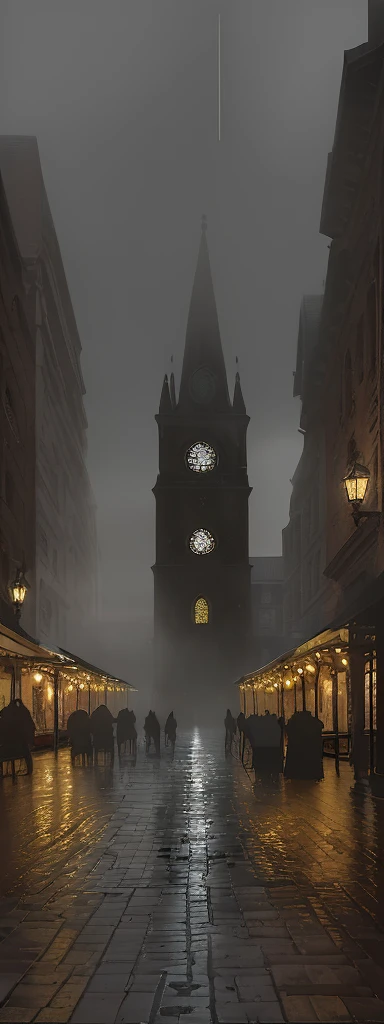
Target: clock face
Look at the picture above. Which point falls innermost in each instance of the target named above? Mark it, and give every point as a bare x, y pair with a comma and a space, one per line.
201, 542
202, 386
201, 458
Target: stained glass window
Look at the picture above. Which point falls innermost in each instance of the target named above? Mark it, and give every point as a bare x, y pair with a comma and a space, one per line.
201, 611
201, 458
201, 542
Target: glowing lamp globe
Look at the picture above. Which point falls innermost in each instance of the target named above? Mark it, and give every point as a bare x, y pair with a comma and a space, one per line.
18, 589
356, 483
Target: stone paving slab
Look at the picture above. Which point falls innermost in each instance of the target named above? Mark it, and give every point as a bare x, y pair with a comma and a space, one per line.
193, 894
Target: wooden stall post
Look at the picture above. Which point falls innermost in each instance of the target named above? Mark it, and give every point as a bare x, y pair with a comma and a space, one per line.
317, 690
56, 710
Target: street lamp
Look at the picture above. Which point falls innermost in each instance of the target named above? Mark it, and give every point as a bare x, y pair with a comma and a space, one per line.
18, 590
356, 483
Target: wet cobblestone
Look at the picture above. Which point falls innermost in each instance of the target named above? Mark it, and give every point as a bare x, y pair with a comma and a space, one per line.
180, 890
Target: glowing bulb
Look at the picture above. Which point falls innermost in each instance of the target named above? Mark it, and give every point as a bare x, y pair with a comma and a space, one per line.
310, 668
344, 661
338, 650
288, 682
276, 685
81, 686
37, 677
70, 687
300, 671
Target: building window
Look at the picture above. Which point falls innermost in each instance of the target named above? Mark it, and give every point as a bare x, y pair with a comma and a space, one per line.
360, 350
9, 490
267, 618
10, 414
201, 612
43, 543
5, 567
45, 612
315, 510
316, 572
348, 384
371, 336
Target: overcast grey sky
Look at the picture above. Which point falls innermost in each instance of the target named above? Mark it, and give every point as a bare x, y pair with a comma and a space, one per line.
121, 95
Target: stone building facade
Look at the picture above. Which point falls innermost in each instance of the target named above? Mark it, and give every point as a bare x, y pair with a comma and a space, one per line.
343, 417
17, 422
304, 553
267, 609
66, 547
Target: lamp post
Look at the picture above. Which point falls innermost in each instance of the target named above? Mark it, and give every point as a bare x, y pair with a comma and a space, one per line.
18, 591
356, 484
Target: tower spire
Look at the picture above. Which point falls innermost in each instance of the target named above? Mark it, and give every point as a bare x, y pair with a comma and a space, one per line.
165, 406
203, 376
238, 400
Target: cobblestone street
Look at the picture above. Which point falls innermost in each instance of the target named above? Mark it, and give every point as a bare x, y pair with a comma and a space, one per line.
180, 888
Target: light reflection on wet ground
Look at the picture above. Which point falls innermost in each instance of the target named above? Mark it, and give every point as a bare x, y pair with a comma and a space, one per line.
314, 832
317, 833
79, 842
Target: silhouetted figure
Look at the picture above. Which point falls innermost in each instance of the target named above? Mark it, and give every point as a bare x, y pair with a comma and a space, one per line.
102, 732
266, 744
152, 732
79, 734
304, 758
230, 730
170, 730
17, 735
125, 731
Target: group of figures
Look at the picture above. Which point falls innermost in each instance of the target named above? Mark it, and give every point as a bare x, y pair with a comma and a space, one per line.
92, 734
152, 732
267, 736
17, 735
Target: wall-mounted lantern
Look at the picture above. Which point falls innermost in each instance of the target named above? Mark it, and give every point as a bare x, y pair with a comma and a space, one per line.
356, 484
18, 591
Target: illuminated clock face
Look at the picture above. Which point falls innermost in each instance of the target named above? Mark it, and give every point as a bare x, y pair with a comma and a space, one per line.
201, 542
201, 458
202, 386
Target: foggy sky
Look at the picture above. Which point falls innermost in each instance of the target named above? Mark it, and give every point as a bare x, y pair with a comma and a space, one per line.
121, 95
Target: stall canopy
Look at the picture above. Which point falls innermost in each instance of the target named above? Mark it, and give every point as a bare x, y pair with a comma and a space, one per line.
53, 682
326, 642
315, 677
19, 645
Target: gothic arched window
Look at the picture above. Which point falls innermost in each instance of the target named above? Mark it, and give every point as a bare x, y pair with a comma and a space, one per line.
201, 612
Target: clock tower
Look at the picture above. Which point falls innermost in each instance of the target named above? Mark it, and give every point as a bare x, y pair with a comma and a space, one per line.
202, 571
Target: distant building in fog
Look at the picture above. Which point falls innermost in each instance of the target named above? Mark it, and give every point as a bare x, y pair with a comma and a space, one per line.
267, 596
17, 421
202, 571
304, 547
66, 551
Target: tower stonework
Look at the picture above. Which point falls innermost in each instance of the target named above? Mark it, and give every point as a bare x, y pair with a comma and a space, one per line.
202, 571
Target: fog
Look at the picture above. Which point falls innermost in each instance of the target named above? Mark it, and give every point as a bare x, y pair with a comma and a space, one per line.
122, 97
